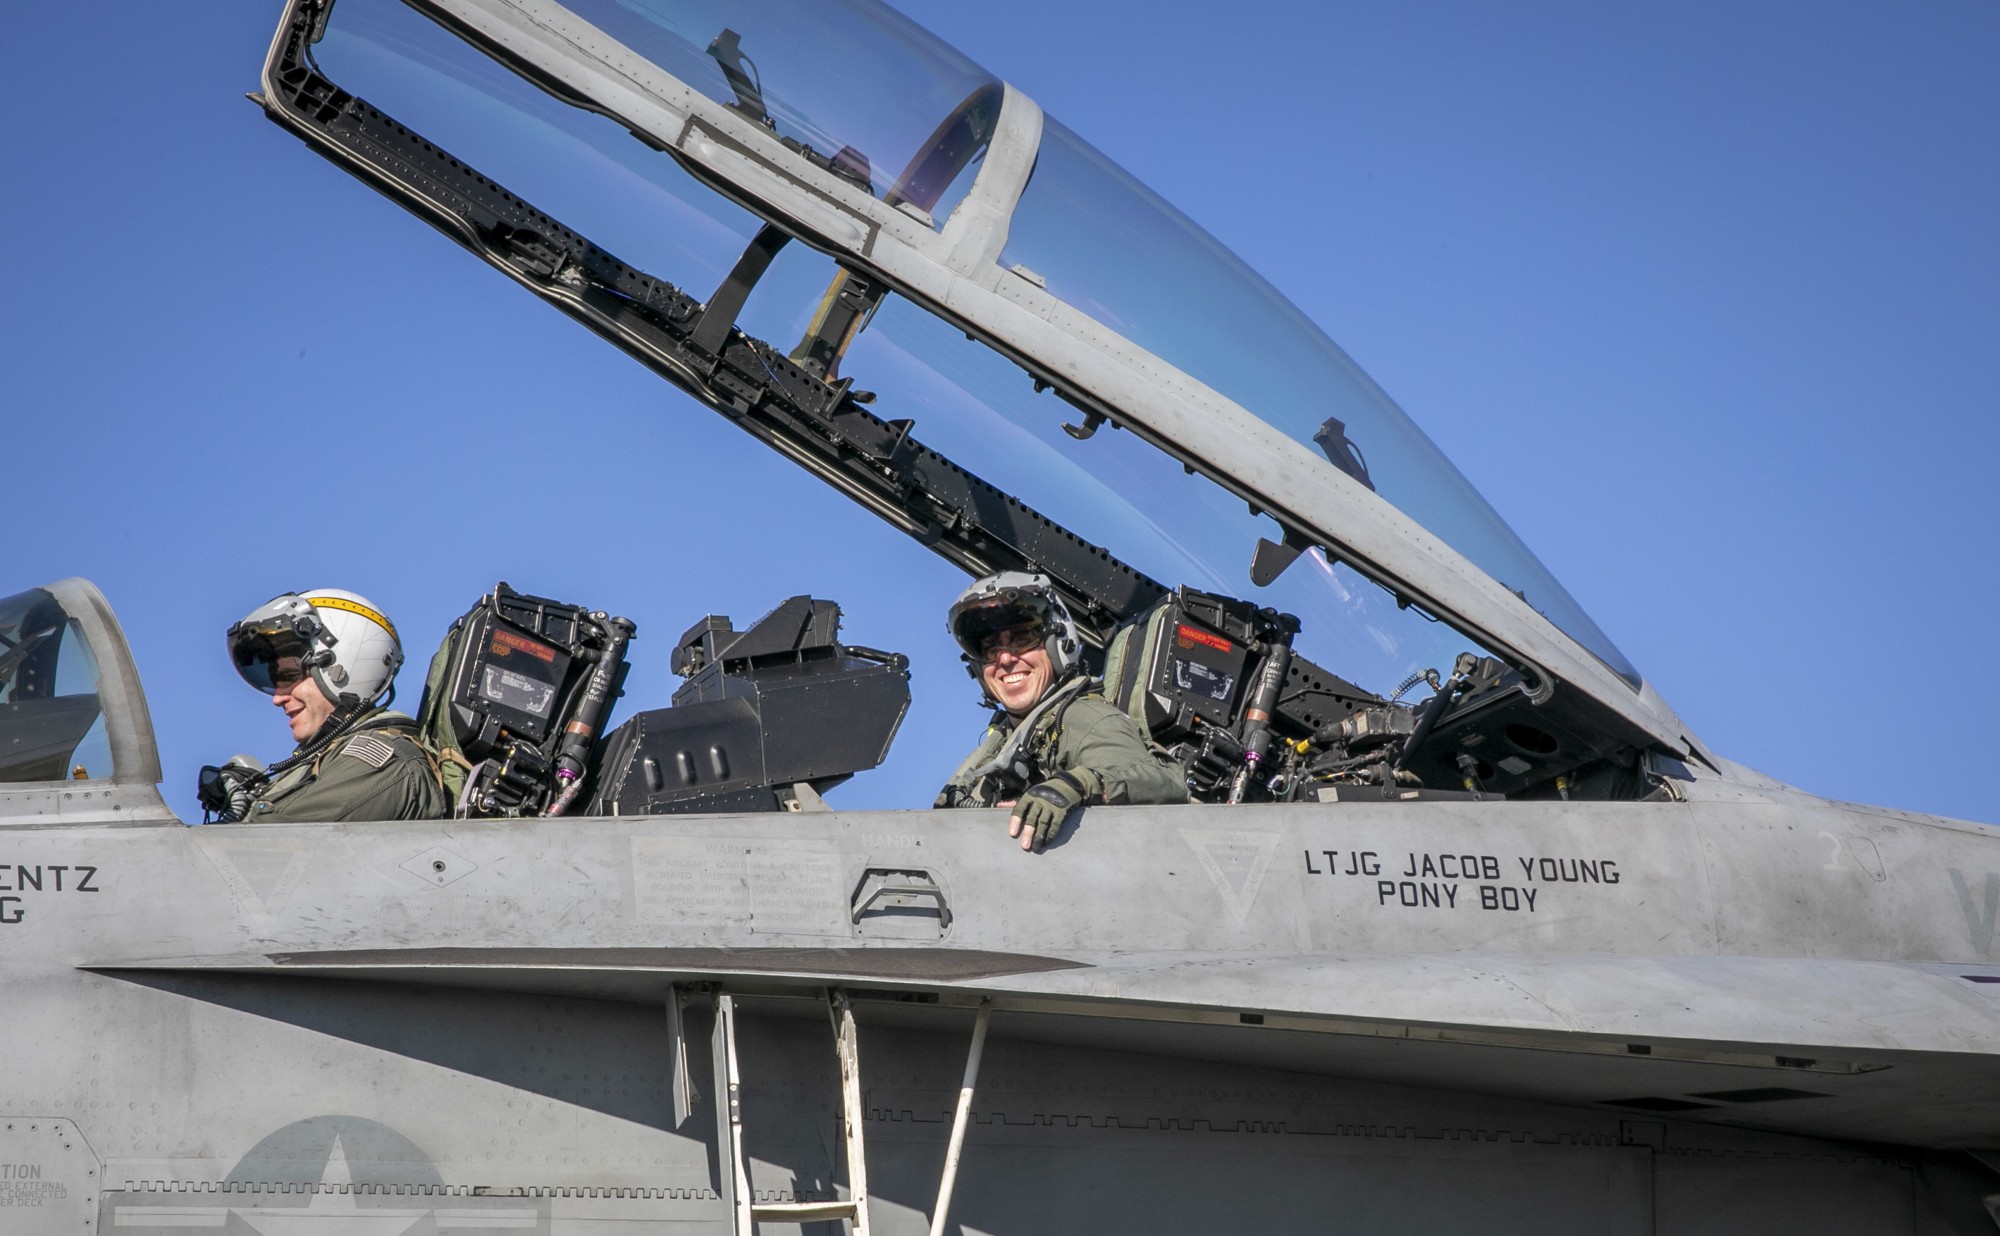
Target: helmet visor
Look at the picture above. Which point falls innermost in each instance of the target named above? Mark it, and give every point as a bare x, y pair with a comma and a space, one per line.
1016, 623
268, 654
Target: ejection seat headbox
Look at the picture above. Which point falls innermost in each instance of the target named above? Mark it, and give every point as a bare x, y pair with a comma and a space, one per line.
516, 697
764, 711
1183, 661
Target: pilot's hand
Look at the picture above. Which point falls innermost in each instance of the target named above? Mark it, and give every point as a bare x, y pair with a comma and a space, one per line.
1040, 813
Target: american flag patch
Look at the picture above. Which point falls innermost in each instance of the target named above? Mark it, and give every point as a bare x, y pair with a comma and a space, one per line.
370, 750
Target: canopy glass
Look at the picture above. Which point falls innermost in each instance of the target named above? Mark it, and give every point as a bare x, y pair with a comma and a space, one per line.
853, 71
853, 76
51, 720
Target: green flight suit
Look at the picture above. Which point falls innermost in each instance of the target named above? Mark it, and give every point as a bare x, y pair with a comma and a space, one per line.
1081, 732
375, 771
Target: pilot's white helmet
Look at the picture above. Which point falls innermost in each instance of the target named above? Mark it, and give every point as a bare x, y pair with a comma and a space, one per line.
1013, 599
348, 646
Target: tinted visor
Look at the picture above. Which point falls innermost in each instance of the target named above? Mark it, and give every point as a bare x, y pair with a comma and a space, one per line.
269, 655
978, 627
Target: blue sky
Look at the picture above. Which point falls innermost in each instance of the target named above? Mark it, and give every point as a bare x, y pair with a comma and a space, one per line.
1703, 298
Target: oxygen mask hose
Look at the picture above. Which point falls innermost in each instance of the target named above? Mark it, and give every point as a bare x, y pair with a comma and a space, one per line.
226, 792
1460, 672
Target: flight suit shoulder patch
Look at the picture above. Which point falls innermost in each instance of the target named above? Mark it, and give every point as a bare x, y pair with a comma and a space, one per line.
370, 750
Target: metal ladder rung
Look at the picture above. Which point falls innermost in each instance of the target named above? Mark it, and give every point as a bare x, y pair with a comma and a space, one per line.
745, 1214
802, 1212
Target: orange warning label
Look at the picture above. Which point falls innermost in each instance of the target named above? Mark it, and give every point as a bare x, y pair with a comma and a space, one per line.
1189, 637
506, 641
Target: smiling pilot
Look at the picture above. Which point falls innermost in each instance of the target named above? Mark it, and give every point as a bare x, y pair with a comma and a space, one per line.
1054, 744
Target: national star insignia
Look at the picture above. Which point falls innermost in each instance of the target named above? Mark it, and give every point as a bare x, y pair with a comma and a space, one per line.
332, 1211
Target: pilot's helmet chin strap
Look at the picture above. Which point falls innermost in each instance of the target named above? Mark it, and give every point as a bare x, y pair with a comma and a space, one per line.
324, 666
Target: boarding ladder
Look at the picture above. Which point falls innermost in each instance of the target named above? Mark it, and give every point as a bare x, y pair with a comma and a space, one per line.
745, 1213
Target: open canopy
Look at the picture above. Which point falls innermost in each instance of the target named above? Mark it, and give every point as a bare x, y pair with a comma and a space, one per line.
862, 85
973, 256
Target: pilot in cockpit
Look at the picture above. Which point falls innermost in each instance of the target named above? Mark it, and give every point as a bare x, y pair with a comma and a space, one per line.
1055, 744
327, 659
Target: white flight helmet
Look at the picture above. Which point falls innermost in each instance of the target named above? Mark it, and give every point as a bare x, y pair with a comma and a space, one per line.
1016, 599
348, 646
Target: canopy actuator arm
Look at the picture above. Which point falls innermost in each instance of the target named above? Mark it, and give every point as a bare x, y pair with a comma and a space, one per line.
849, 302
718, 317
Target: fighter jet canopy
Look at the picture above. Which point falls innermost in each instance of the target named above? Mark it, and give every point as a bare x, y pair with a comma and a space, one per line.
859, 81
1032, 310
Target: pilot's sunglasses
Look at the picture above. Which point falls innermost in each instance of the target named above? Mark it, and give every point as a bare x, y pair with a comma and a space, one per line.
1016, 640
286, 673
